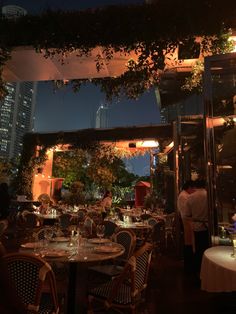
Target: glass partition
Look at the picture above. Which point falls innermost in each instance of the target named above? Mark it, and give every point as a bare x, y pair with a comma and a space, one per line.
220, 142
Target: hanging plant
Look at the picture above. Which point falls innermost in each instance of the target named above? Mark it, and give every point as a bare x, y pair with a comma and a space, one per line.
152, 31
209, 45
4, 57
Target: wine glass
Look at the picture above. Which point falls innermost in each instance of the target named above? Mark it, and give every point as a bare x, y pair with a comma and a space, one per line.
48, 234
100, 231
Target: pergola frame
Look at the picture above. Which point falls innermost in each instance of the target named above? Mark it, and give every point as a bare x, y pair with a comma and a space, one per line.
44, 143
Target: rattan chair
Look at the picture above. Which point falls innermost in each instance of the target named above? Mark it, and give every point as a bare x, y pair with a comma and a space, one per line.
81, 215
3, 227
127, 290
157, 235
65, 220
145, 216
30, 220
152, 221
28, 275
40, 234
170, 221
127, 239
110, 228
60, 269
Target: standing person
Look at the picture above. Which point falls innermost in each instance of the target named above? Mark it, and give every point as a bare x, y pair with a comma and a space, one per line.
106, 203
187, 189
4, 201
197, 208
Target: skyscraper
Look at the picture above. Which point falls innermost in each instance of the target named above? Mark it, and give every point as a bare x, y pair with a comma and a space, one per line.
17, 108
101, 120
13, 11
16, 117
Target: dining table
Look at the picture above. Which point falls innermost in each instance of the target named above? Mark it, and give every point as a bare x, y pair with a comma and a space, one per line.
134, 225
218, 269
48, 219
79, 254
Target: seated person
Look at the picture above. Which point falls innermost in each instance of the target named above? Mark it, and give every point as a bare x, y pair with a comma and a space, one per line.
106, 202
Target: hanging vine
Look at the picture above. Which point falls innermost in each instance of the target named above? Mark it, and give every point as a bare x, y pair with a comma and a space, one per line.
152, 31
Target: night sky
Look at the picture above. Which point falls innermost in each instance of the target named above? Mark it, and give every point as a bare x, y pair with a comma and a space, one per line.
65, 110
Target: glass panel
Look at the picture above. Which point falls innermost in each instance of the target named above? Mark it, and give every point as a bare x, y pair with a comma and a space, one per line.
220, 101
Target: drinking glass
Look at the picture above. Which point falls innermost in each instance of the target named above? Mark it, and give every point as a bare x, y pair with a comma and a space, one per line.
233, 238
48, 234
100, 230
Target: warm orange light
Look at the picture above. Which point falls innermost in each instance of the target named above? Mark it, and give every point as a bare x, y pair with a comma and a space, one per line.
233, 40
147, 144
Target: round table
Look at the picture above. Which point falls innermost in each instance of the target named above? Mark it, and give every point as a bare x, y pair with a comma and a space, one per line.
88, 253
218, 270
48, 219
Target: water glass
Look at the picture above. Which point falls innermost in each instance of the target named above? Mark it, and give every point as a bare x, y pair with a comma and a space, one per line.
100, 231
233, 237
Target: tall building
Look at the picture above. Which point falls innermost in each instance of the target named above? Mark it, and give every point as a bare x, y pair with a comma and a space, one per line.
16, 117
192, 105
17, 108
13, 11
101, 120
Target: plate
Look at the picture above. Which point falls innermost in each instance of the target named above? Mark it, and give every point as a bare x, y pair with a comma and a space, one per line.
98, 241
60, 239
54, 253
107, 249
140, 224
31, 245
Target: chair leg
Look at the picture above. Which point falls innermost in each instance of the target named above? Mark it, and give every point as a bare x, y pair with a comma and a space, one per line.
133, 310
90, 307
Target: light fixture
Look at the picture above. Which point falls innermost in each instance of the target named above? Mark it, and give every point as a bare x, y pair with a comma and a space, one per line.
147, 144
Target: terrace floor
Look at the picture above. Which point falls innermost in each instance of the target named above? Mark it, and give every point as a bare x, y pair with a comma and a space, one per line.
172, 290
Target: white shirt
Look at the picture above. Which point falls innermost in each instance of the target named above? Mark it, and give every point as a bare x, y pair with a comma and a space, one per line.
197, 209
187, 222
181, 203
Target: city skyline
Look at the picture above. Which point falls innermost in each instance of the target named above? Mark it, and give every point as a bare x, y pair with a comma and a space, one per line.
17, 108
65, 110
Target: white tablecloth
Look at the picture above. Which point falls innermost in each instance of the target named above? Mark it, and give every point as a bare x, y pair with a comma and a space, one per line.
218, 270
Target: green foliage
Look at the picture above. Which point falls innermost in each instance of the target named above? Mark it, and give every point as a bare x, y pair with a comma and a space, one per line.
69, 165
28, 164
4, 57
98, 166
194, 81
150, 30
151, 200
76, 195
7, 170
120, 194
209, 45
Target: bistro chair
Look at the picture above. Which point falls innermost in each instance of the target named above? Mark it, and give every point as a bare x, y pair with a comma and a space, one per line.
152, 221
30, 220
110, 228
65, 220
3, 227
157, 235
145, 216
28, 274
127, 238
119, 213
60, 269
125, 291
88, 225
41, 234
170, 221
81, 215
